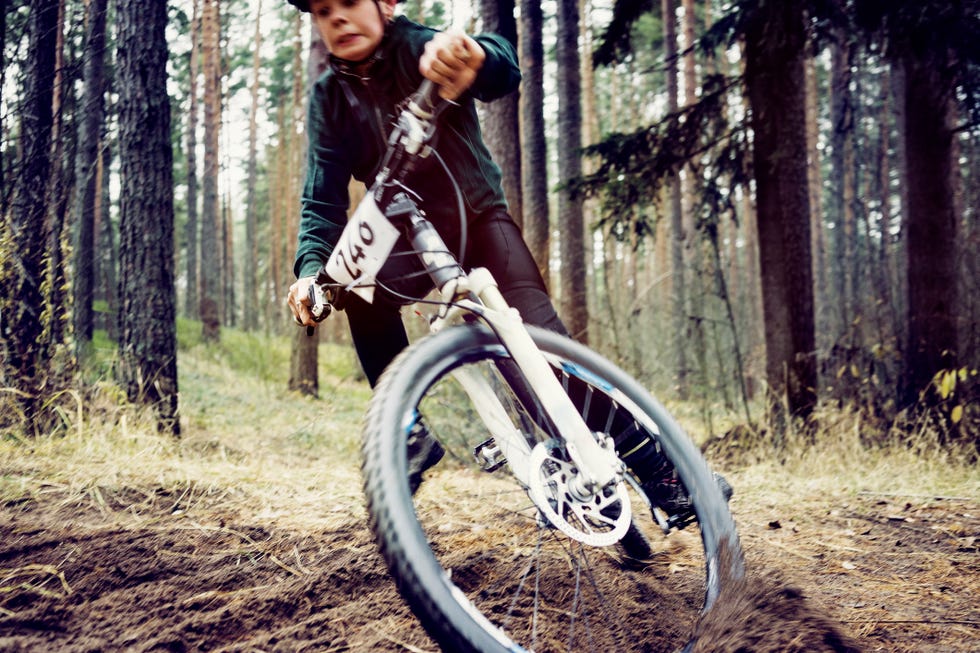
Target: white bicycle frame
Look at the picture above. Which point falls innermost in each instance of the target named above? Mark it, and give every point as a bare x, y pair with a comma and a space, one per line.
599, 466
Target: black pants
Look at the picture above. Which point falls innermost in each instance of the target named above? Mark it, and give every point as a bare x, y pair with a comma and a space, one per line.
495, 243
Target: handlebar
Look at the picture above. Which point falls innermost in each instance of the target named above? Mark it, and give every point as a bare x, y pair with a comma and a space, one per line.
426, 103
407, 143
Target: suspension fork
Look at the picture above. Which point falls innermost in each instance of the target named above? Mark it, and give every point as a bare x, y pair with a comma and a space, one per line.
597, 462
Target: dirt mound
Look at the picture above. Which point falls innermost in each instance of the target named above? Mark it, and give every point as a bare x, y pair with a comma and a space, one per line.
180, 585
767, 615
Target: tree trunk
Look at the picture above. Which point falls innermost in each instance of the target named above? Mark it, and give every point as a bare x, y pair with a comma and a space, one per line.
21, 302
815, 186
753, 304
897, 89
303, 373
677, 233
931, 224
250, 297
844, 193
210, 269
574, 310
3, 114
229, 314
881, 257
192, 299
774, 75
501, 118
59, 189
969, 238
278, 208
86, 169
884, 266
534, 160
108, 252
147, 316
590, 135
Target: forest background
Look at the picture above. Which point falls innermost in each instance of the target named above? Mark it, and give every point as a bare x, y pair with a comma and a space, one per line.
775, 210
773, 227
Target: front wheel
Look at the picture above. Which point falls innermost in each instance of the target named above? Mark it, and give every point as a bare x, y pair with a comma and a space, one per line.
482, 565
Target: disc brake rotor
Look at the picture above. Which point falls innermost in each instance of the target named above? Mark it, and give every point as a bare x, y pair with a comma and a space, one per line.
598, 520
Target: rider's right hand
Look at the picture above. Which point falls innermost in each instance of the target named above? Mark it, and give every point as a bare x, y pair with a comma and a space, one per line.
298, 301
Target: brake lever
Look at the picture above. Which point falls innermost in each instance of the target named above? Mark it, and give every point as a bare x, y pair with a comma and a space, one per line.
426, 103
320, 306
414, 128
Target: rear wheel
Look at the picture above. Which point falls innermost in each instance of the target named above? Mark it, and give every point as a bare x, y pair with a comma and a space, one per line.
482, 565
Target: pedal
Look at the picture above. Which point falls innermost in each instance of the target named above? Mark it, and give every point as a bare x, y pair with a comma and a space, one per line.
489, 456
667, 522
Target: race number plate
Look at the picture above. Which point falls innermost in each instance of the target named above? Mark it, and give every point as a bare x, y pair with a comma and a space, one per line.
363, 248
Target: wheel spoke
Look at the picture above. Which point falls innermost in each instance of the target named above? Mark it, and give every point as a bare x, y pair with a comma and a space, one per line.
590, 601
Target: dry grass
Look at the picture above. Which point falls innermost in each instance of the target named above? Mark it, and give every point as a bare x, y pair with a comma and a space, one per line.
247, 442
841, 458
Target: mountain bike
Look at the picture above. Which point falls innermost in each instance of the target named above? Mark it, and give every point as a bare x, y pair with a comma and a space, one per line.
540, 528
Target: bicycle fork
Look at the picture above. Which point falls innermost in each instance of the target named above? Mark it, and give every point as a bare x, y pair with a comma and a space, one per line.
597, 463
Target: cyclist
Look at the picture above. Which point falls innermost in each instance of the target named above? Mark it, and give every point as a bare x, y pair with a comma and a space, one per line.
376, 61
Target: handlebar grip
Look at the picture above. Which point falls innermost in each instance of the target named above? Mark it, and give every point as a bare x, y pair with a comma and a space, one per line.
426, 103
319, 306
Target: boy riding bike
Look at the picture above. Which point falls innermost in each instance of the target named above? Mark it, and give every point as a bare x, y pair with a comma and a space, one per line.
376, 61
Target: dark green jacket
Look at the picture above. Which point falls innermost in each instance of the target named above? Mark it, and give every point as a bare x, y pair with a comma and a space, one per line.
345, 141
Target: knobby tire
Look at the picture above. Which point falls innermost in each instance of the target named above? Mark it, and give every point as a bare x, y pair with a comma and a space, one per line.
469, 551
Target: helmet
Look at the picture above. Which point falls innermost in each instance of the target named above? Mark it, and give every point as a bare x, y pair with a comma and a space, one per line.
304, 5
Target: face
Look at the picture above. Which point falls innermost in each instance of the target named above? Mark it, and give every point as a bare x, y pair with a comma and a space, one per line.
351, 29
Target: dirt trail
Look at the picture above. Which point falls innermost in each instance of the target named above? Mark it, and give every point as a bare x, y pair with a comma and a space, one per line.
890, 575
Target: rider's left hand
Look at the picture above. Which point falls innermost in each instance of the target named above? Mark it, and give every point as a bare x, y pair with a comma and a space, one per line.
451, 60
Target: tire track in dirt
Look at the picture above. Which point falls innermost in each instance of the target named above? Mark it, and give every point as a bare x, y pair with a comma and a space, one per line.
880, 575
186, 587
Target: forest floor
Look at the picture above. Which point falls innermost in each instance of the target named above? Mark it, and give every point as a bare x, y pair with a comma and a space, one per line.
140, 573
239, 537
